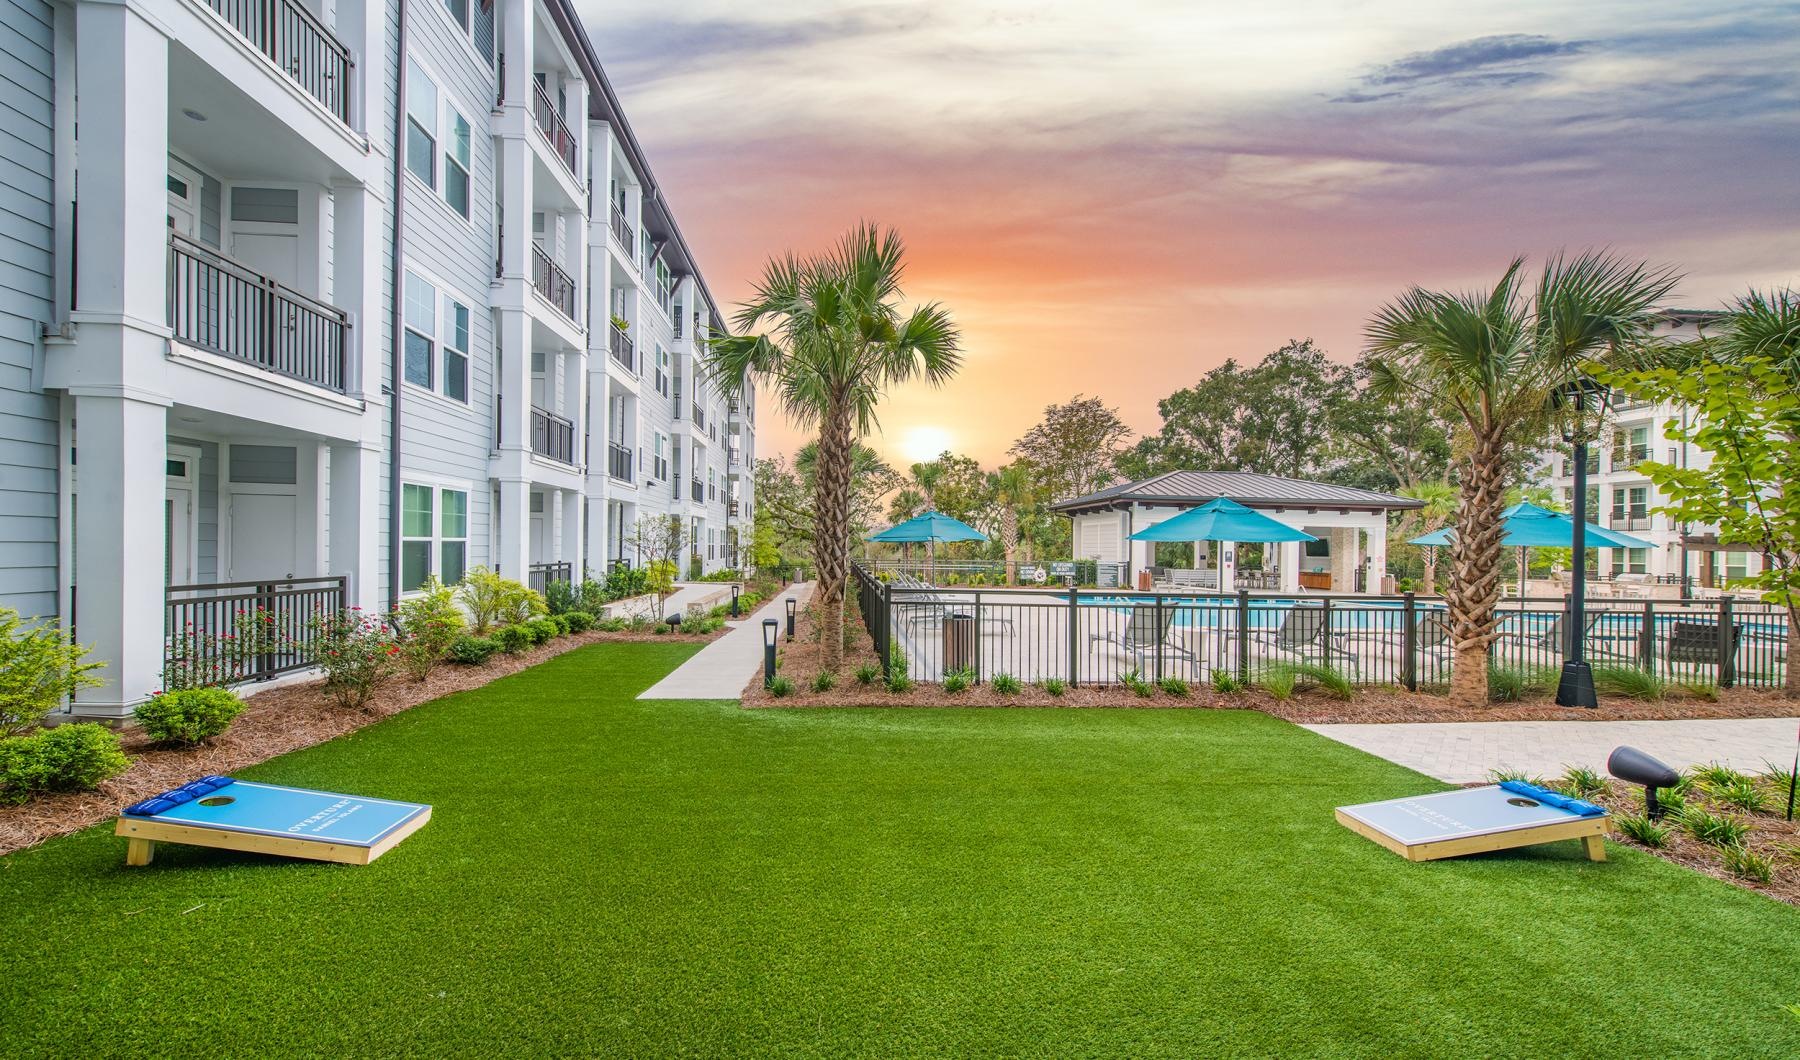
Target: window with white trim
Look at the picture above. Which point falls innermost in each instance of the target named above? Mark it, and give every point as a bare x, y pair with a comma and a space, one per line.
662, 371
661, 466
456, 160
421, 331
421, 124
434, 535
456, 350
453, 535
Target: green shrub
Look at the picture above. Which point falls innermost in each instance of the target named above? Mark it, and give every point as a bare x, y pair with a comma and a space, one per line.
1333, 681
1278, 680
622, 583
591, 596
1134, 680
188, 716
897, 678
428, 624
495, 601
1056, 686
781, 687
1226, 682
642, 623
1718, 829
1006, 684
1581, 782
1507, 684
663, 629
867, 673
513, 640
958, 680
356, 651
1628, 681
1740, 860
1501, 776
1672, 801
541, 630
824, 681
472, 651
1742, 794
1713, 776
1702, 690
613, 624
561, 622
560, 596
1174, 686
578, 621
1644, 830
39, 668
66, 758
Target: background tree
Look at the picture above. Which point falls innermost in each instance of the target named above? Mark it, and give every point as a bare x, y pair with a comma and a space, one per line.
839, 341
659, 539
1439, 500
905, 503
1498, 359
1375, 444
1270, 418
1012, 488
1071, 450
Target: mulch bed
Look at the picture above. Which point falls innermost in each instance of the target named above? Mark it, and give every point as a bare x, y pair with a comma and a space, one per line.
801, 658
274, 722
1770, 834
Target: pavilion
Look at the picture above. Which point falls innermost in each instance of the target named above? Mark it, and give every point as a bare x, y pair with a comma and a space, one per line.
1351, 524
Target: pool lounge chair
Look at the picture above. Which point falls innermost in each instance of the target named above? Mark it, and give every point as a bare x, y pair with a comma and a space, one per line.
1147, 629
1306, 634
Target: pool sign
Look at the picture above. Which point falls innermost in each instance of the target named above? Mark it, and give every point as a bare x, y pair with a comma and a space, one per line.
1475, 820
272, 819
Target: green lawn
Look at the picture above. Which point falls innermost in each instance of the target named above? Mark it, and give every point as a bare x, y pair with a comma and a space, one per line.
604, 876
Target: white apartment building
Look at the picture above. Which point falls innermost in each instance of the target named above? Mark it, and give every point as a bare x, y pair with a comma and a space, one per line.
306, 301
1622, 498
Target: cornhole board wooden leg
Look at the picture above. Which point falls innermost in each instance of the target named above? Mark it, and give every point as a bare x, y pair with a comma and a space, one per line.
1589, 830
139, 851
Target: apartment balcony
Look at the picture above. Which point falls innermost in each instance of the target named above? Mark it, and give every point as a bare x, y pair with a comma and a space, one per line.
697, 490
731, 508
1634, 519
222, 307
540, 575
619, 345
1629, 456
622, 231
552, 282
619, 464
552, 436
1593, 466
562, 142
296, 41
697, 415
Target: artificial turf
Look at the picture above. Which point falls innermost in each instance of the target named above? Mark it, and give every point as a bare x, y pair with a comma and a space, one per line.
608, 876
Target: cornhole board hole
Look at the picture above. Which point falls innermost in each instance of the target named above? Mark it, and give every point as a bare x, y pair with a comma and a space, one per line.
1474, 821
269, 819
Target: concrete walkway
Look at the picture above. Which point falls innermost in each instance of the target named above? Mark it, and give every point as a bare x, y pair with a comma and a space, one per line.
720, 670
1465, 752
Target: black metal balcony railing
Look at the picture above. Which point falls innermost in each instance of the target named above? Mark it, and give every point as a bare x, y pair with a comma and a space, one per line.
623, 233
295, 40
699, 417
1630, 519
552, 436
697, 490
539, 575
1627, 456
218, 305
222, 633
731, 508
622, 351
552, 282
551, 124
618, 461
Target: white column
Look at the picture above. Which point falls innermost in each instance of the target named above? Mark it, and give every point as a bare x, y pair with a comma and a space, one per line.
1290, 566
354, 540
1377, 552
1228, 566
512, 337
573, 536
121, 450
512, 552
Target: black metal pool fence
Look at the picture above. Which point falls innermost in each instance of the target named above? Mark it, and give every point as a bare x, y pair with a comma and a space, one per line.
1102, 636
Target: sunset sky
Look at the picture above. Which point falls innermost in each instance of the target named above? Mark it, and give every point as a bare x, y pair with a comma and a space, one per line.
1114, 197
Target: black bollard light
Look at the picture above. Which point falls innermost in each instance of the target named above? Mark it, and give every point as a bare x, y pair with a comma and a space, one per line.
792, 604
770, 626
1635, 767
734, 601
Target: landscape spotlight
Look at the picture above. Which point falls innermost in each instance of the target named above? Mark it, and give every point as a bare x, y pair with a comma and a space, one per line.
792, 605
1635, 767
734, 601
770, 627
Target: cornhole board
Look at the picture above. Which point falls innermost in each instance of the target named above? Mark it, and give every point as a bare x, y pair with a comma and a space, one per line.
269, 819
1470, 821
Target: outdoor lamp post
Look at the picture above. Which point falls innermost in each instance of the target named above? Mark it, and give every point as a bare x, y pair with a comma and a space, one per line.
1580, 399
769, 630
792, 605
734, 601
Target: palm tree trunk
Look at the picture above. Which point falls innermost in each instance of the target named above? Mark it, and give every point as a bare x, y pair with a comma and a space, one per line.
1431, 575
831, 502
1475, 554
1009, 536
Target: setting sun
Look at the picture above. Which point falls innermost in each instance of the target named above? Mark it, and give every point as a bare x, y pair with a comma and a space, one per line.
924, 443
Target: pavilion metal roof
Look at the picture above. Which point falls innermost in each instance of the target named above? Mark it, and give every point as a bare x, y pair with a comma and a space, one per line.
1189, 488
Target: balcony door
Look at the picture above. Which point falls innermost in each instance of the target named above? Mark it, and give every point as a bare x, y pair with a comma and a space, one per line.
265, 233
181, 544
184, 200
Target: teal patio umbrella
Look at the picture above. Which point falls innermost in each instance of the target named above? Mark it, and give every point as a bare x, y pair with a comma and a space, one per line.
929, 527
1222, 520
1531, 526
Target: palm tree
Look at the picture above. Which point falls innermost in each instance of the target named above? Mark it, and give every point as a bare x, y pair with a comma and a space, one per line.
1439, 505
838, 341
1013, 488
926, 475
905, 504
1498, 360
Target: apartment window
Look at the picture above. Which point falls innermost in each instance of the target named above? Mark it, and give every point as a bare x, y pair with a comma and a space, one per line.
459, 10
1630, 561
662, 371
456, 350
421, 124
661, 467
434, 532
1737, 566
421, 330
456, 161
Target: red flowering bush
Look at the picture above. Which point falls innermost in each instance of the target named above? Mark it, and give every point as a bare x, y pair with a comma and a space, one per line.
357, 652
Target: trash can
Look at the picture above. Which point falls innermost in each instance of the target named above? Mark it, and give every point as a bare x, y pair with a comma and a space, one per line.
1144, 582
959, 642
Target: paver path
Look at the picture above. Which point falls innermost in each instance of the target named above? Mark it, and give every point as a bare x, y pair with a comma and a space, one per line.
719, 670
1465, 752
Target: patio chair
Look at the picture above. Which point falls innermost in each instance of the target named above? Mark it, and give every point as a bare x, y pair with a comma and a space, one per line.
1596, 642
1697, 644
1304, 632
1143, 632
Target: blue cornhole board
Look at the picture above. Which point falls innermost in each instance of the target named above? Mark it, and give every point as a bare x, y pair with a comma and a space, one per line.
270, 819
1471, 821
